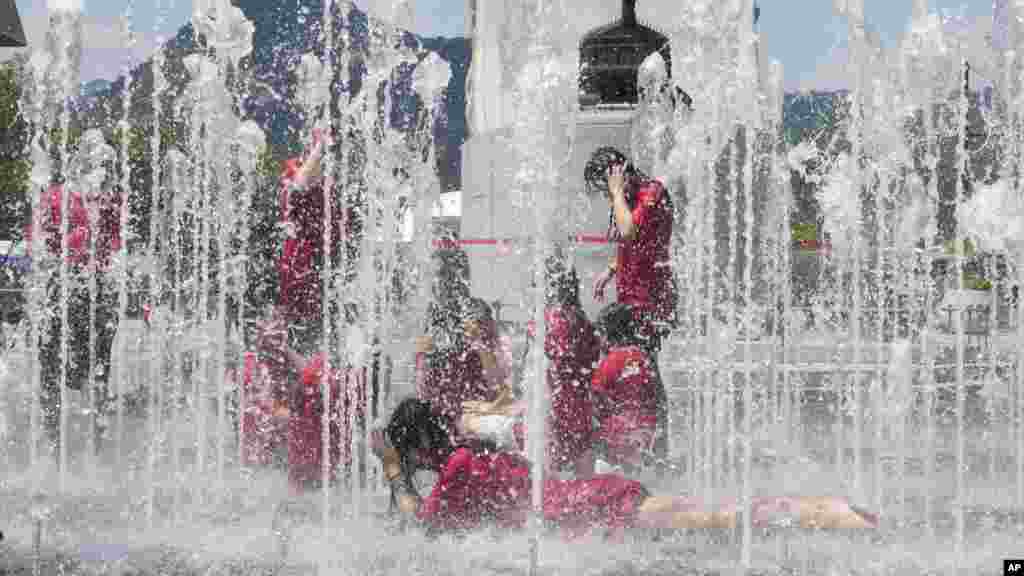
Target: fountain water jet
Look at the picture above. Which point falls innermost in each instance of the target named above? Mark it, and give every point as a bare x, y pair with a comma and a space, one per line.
911, 368
66, 19
156, 372
124, 133
747, 56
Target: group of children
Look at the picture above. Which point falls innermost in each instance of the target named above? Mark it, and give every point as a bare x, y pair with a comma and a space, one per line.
281, 383
601, 383
282, 409
466, 423
606, 397
603, 399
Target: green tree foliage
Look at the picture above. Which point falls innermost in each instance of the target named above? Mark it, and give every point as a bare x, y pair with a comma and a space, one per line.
264, 233
14, 165
815, 119
822, 120
140, 175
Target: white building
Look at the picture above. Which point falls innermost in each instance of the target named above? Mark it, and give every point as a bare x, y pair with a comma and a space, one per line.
613, 40
447, 212
490, 233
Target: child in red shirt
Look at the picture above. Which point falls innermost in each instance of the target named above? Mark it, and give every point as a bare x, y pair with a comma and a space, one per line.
305, 427
641, 221
303, 261
573, 349
264, 418
474, 367
625, 387
92, 237
642, 216
305, 407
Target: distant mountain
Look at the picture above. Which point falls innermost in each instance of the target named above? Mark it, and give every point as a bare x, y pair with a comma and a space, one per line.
95, 88
806, 113
285, 30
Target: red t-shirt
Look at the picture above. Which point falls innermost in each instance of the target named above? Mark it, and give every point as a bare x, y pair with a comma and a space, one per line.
573, 348
305, 444
450, 381
625, 380
302, 257
644, 275
476, 488
107, 219
626, 400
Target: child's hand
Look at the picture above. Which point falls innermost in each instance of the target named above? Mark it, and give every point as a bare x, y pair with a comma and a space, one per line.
424, 344
478, 407
382, 448
601, 284
505, 404
616, 181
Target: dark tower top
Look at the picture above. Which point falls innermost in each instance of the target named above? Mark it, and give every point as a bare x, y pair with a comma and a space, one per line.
611, 55
629, 13
12, 35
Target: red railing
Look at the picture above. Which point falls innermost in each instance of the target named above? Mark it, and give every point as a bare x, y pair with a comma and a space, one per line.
578, 239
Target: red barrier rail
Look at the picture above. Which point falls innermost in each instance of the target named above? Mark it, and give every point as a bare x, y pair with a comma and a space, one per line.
578, 239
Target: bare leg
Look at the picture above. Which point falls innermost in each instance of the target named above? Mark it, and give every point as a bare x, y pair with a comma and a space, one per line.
827, 513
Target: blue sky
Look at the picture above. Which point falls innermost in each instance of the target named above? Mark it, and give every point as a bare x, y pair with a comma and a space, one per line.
805, 35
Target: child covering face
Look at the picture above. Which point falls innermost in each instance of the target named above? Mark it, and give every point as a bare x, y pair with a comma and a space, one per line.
479, 488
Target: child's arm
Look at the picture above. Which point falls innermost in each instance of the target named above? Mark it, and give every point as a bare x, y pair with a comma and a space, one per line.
505, 404
493, 372
497, 428
421, 374
403, 493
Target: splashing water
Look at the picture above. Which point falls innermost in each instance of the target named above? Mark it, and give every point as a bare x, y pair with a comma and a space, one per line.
857, 396
994, 217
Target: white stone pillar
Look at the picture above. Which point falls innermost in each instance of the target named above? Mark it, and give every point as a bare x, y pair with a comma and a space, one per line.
486, 94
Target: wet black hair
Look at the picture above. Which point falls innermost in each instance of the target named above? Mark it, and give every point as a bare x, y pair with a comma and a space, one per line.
563, 284
595, 173
450, 287
478, 310
413, 425
452, 260
618, 326
452, 271
681, 98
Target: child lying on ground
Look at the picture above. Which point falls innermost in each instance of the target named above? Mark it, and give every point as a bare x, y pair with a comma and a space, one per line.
476, 488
